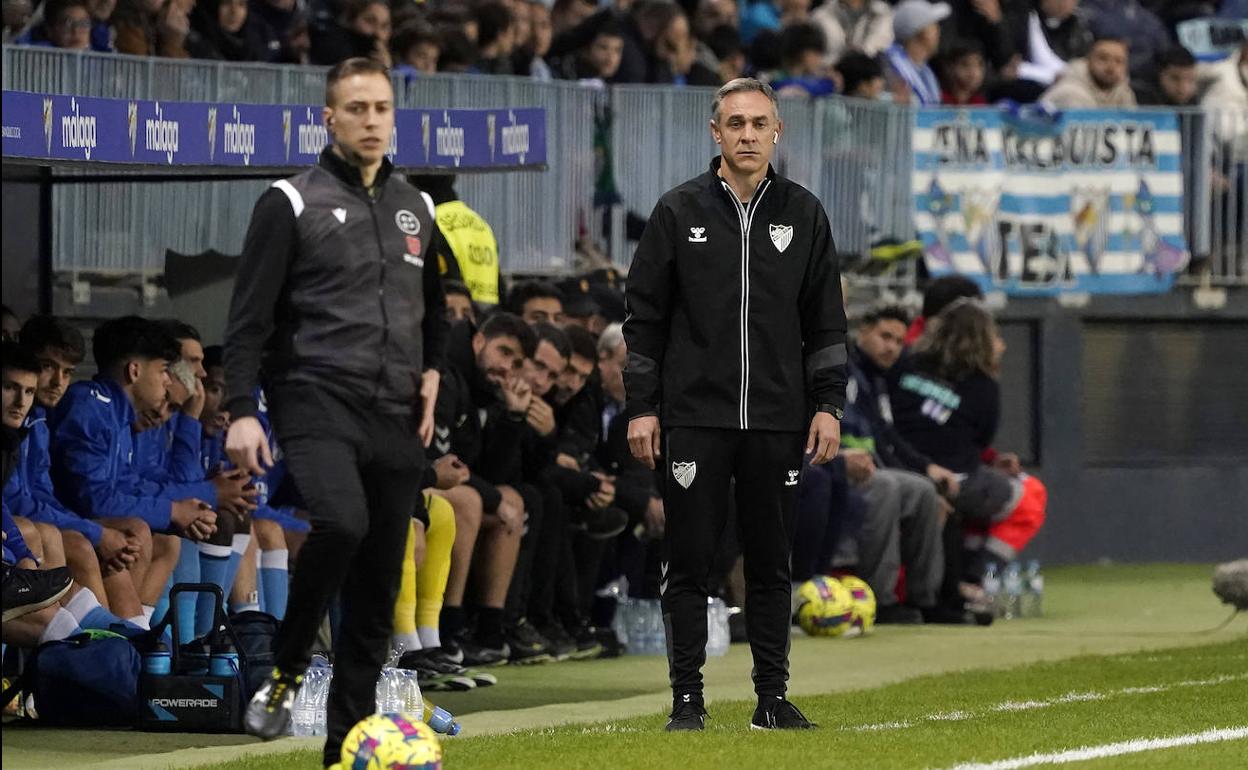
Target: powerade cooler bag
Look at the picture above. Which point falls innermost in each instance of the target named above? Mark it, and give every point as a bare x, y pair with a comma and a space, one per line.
192, 703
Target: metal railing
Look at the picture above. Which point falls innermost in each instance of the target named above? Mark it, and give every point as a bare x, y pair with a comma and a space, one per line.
856, 156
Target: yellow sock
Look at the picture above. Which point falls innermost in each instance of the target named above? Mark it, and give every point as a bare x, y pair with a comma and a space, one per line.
405, 604
432, 576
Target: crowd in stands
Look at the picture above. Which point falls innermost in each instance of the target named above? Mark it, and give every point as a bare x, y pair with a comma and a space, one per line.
536, 517
1067, 53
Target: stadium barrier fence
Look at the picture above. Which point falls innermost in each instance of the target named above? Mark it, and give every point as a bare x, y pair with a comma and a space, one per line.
855, 155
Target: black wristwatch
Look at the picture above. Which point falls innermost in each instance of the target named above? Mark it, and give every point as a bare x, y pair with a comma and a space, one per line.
831, 409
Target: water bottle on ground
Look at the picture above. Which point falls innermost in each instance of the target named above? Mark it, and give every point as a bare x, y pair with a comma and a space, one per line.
1034, 586
1012, 587
442, 721
658, 632
389, 692
620, 621
717, 637
413, 702
303, 713
992, 588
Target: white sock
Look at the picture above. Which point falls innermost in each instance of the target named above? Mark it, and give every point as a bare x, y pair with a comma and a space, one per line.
148, 611
62, 626
212, 549
142, 621
278, 558
240, 542
406, 642
429, 637
83, 602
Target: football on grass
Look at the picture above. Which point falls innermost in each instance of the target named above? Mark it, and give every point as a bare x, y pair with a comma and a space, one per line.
825, 607
391, 742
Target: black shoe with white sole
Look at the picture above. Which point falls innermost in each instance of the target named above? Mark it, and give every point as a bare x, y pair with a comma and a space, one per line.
776, 713
268, 713
688, 715
30, 590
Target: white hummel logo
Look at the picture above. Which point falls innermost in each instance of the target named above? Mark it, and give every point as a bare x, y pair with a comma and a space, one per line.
684, 473
341, 215
781, 236
792, 482
662, 578
697, 235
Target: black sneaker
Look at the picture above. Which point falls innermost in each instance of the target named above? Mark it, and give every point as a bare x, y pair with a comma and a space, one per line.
436, 673
688, 714
562, 645
471, 654
268, 713
776, 713
30, 590
898, 615
588, 643
601, 524
527, 645
455, 658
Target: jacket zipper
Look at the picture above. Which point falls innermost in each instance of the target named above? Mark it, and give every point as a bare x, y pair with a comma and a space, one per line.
381, 299
745, 217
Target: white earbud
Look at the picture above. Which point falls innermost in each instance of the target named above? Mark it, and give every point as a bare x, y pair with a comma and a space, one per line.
775, 138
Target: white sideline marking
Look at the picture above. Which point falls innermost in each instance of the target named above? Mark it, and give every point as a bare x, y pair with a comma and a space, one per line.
1086, 753
1070, 697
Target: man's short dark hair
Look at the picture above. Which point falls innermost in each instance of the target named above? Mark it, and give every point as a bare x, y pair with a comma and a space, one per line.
857, 68
504, 324
54, 9
582, 342
45, 332
179, 330
1110, 37
1175, 56
555, 336
527, 290
458, 51
725, 41
19, 358
945, 290
493, 19
451, 286
357, 65
122, 339
886, 313
411, 34
214, 357
797, 39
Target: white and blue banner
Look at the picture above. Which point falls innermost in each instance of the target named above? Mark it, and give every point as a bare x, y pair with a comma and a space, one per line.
139, 132
1039, 204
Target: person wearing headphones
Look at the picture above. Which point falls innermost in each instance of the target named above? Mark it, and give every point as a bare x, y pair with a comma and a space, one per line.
736, 364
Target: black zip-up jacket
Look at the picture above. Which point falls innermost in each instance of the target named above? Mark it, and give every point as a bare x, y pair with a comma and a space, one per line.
332, 291
735, 314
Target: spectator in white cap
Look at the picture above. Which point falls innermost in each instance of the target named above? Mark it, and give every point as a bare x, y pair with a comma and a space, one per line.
916, 30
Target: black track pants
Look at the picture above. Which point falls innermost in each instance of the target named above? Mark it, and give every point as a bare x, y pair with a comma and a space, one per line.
359, 476
699, 466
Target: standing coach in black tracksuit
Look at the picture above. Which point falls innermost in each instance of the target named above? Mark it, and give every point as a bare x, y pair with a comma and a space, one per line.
337, 313
736, 346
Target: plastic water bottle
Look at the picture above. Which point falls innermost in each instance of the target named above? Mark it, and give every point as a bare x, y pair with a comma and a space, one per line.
325, 680
1033, 584
441, 720
390, 691
658, 632
717, 639
620, 621
992, 589
1012, 586
413, 703
158, 661
303, 714
224, 660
